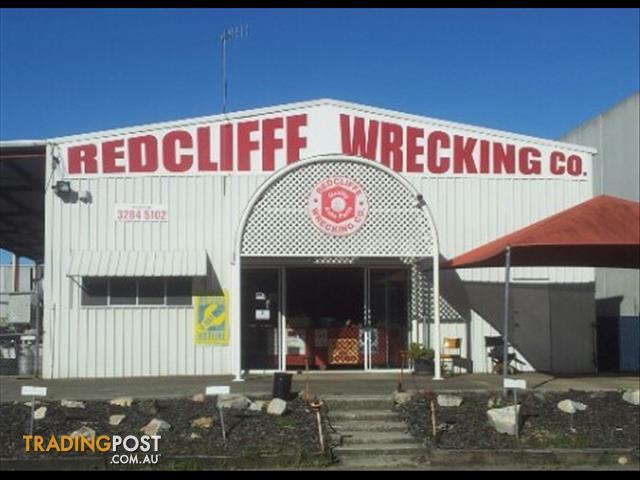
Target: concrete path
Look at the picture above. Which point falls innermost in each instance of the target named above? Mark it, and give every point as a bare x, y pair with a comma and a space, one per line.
320, 383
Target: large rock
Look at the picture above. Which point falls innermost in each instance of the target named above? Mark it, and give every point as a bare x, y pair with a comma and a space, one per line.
155, 426
198, 398
148, 407
122, 401
503, 419
233, 400
40, 413
277, 406
71, 404
569, 406
400, 397
257, 406
632, 397
116, 419
445, 400
83, 431
202, 422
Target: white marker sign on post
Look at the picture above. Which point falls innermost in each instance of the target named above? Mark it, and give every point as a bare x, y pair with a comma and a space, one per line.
34, 391
217, 390
513, 383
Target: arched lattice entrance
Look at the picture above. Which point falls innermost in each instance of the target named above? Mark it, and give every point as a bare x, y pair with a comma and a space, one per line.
333, 210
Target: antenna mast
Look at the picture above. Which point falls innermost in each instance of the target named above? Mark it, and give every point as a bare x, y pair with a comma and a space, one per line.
225, 37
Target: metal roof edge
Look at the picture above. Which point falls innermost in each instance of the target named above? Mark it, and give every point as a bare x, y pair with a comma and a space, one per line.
313, 103
22, 143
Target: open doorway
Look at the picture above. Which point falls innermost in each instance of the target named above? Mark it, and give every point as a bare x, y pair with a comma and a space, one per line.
329, 318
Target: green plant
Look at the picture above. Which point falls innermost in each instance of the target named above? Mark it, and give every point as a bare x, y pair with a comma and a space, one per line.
284, 422
417, 351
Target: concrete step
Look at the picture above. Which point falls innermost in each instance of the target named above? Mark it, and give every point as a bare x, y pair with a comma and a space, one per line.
362, 415
390, 425
379, 462
358, 402
390, 449
370, 438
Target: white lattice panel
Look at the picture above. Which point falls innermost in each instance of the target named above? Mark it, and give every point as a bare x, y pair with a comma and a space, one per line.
396, 226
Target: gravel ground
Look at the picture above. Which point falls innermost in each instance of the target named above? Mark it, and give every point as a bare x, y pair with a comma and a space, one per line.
608, 422
248, 433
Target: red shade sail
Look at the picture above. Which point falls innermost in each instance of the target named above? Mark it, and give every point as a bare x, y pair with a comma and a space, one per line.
601, 232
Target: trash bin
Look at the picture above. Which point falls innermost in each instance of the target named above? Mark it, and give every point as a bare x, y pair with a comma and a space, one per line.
25, 359
282, 385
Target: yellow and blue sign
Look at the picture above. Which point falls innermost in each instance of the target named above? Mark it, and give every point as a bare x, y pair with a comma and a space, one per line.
211, 319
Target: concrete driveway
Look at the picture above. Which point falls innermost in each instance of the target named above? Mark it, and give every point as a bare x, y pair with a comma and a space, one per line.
319, 383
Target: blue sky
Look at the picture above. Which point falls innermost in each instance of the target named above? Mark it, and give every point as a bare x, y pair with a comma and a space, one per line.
538, 72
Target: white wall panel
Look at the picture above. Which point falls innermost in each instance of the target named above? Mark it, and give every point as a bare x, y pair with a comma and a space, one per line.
204, 212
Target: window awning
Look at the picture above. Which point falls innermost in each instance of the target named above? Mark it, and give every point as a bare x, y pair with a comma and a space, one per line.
101, 263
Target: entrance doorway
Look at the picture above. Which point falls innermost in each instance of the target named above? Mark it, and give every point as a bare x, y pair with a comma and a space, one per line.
331, 318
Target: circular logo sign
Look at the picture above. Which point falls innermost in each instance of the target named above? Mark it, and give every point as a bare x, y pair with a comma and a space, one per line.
338, 206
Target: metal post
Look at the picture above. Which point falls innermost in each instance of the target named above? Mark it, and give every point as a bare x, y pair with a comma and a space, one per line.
16, 272
37, 354
436, 314
33, 411
505, 333
515, 406
224, 38
224, 433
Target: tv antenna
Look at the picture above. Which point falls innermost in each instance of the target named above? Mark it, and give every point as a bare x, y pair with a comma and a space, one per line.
225, 37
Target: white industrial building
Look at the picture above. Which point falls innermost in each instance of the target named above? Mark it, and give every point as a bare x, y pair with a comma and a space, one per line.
256, 240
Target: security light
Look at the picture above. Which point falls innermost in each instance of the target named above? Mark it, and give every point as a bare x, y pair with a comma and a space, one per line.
62, 188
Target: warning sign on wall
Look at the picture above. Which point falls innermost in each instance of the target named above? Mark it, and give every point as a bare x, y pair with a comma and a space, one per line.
211, 320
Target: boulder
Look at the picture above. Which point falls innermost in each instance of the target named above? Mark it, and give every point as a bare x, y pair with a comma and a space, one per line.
155, 426
148, 407
40, 413
277, 406
569, 406
122, 401
445, 400
83, 431
202, 422
234, 401
198, 398
632, 397
257, 406
400, 397
116, 419
503, 419
71, 404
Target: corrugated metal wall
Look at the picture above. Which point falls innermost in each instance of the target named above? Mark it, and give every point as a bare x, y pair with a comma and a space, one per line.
204, 212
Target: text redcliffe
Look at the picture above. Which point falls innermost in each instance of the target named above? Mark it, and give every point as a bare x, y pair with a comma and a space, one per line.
405, 149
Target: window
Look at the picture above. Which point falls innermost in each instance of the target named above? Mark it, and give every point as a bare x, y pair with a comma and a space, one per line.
151, 291
95, 291
179, 291
122, 291
129, 291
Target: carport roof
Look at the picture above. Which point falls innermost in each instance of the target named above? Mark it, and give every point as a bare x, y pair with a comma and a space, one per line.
601, 232
22, 185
